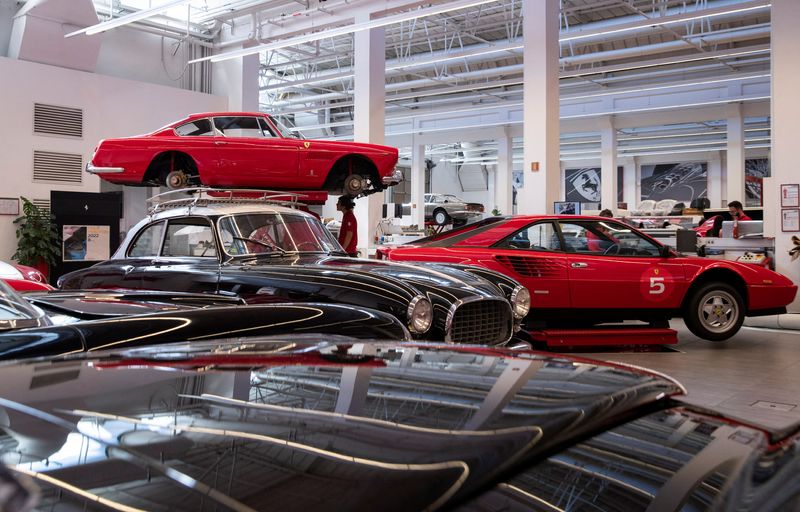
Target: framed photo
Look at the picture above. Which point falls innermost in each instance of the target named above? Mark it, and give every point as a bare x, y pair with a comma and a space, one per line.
790, 195
790, 220
567, 207
9, 206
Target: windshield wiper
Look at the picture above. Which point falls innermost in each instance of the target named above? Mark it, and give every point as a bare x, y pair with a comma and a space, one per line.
262, 243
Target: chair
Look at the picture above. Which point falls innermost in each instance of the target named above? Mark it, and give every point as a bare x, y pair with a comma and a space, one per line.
664, 207
646, 207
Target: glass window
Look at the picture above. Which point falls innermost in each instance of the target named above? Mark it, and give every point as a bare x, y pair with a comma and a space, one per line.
189, 237
266, 233
285, 131
266, 128
239, 127
197, 128
538, 237
148, 242
606, 238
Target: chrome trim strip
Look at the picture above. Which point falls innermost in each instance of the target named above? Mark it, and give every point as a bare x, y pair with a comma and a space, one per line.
103, 170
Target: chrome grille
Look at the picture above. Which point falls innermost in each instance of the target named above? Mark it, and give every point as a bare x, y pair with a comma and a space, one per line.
487, 322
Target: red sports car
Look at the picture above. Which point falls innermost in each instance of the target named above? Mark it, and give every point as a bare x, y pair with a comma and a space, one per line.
591, 270
248, 150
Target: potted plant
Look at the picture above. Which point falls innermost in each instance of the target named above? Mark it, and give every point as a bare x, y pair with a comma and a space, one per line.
38, 243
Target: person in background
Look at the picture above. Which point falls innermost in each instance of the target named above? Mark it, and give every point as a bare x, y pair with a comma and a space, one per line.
737, 211
606, 213
348, 234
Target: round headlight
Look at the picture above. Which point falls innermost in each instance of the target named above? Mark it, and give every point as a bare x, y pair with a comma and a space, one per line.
420, 315
520, 302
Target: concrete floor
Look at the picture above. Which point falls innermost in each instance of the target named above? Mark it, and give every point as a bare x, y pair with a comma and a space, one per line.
754, 376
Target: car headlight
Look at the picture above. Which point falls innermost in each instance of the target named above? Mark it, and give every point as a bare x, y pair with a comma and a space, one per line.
520, 302
420, 315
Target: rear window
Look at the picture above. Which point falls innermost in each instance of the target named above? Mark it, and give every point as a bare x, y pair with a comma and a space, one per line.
454, 236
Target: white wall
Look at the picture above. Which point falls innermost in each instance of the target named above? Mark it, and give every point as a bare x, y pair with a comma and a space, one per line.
112, 108
444, 180
7, 11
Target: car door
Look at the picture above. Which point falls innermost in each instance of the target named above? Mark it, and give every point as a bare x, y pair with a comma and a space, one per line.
534, 256
251, 154
188, 260
611, 266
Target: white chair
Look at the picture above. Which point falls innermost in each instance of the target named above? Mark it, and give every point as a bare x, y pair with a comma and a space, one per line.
646, 207
664, 207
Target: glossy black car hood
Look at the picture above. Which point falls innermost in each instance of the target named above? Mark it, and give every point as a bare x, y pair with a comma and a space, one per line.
301, 425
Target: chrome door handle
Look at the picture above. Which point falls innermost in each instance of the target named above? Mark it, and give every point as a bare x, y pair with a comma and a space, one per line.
578, 265
220, 142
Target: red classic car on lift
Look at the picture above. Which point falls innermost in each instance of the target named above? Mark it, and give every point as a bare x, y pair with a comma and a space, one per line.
583, 271
246, 150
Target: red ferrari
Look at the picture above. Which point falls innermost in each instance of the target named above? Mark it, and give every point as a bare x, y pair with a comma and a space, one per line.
247, 150
583, 271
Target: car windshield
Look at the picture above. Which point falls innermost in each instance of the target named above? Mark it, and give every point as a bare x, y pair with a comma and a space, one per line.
285, 131
16, 312
259, 233
452, 199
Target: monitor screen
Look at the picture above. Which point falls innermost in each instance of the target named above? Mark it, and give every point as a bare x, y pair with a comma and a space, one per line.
567, 208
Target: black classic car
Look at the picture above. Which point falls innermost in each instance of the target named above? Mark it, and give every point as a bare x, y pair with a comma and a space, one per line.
60, 323
333, 425
263, 252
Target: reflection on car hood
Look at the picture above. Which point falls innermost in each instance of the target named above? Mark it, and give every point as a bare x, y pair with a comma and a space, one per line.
377, 426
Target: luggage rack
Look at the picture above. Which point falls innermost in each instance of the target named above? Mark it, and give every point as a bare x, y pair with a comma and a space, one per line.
203, 196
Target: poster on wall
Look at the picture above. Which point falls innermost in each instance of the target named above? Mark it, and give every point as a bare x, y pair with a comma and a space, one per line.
582, 185
683, 182
85, 243
755, 170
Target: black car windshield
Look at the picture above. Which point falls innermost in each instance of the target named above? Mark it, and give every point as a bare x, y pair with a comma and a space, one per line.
16, 312
258, 233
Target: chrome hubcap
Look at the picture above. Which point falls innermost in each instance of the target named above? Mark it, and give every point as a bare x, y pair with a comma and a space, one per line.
718, 311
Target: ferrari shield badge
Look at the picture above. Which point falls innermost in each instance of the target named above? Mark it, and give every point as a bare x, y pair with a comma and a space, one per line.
306, 144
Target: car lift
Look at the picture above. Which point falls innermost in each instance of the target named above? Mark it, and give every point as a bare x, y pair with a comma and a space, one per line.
603, 336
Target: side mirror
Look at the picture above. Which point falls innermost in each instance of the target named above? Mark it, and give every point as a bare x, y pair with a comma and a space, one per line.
664, 251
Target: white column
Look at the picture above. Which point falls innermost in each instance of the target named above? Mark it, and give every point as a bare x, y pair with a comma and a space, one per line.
369, 119
608, 164
540, 108
629, 182
417, 183
505, 165
238, 80
735, 159
785, 41
715, 181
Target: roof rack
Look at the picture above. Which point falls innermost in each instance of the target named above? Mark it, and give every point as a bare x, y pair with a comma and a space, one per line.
203, 196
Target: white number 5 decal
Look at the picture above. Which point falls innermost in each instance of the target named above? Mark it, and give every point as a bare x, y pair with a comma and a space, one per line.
657, 285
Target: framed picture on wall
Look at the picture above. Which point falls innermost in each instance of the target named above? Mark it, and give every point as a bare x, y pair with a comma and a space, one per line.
790, 195
790, 220
9, 206
567, 207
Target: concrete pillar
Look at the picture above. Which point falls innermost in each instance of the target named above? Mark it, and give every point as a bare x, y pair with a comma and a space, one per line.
735, 159
785, 43
540, 108
505, 168
608, 164
715, 181
417, 183
630, 181
238, 80
369, 119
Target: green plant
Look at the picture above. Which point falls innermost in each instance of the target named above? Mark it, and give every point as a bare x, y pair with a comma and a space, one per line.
496, 211
37, 237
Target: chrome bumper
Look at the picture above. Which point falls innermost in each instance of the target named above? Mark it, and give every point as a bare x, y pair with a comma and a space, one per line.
103, 170
395, 178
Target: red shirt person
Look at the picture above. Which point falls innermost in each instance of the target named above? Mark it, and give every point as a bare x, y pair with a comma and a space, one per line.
348, 234
737, 212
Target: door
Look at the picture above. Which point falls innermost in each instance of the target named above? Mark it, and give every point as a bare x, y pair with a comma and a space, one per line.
251, 154
611, 266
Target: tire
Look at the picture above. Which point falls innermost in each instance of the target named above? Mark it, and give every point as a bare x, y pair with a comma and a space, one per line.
176, 179
714, 312
441, 217
353, 185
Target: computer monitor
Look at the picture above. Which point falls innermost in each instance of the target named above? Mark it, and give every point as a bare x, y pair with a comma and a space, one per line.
747, 228
567, 207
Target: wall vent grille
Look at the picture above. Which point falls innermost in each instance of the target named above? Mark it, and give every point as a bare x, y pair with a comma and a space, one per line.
44, 204
53, 120
57, 167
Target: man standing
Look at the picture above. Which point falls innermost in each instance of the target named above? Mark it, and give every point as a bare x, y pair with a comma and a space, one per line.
737, 212
348, 234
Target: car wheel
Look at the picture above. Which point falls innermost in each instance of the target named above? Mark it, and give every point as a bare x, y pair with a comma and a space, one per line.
715, 312
176, 179
353, 185
441, 217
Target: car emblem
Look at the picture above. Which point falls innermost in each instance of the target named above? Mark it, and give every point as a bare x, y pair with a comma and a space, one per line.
306, 144
656, 271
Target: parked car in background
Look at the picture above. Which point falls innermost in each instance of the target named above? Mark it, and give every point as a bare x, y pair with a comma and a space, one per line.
23, 277
592, 270
266, 253
445, 208
297, 424
245, 150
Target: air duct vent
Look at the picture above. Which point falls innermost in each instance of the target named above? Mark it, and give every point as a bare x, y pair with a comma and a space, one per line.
57, 167
44, 204
53, 120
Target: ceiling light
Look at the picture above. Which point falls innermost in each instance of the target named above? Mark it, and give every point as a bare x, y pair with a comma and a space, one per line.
129, 18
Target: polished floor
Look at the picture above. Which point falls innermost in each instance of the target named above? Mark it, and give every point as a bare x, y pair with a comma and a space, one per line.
754, 376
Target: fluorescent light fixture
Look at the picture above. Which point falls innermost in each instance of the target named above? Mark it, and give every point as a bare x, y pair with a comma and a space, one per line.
129, 18
668, 107
348, 29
